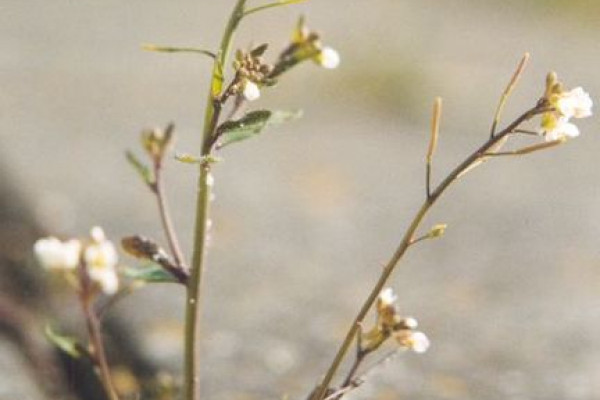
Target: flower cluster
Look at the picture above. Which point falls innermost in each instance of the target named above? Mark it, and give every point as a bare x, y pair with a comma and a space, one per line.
251, 73
575, 103
390, 324
96, 255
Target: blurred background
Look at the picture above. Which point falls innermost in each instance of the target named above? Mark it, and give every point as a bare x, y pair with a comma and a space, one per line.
305, 215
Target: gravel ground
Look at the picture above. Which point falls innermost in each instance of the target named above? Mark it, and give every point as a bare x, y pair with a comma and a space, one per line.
304, 218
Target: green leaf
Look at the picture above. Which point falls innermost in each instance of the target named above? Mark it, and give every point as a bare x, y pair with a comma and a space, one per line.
67, 344
252, 124
191, 159
151, 273
143, 170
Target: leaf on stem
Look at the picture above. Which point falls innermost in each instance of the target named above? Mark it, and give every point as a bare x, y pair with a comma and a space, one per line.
67, 344
169, 49
252, 124
142, 169
191, 159
150, 273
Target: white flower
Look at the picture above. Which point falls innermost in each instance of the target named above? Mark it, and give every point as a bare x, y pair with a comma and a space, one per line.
416, 341
101, 259
328, 58
387, 298
250, 90
52, 253
558, 128
419, 342
575, 103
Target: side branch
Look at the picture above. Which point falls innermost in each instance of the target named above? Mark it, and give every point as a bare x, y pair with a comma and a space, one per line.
474, 157
165, 217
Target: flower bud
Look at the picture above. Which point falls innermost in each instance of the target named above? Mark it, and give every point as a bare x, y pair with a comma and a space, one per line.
250, 90
437, 231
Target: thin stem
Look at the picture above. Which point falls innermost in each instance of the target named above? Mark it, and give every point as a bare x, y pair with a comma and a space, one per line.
340, 392
507, 92
435, 132
360, 357
165, 216
271, 5
527, 132
529, 149
95, 335
193, 305
408, 239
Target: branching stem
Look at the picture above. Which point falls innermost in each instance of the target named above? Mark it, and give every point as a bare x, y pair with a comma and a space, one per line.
406, 241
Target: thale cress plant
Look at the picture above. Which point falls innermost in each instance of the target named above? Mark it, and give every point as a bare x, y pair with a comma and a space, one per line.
91, 264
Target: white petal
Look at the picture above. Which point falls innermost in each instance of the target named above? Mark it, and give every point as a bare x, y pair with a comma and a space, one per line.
328, 58
107, 279
411, 322
562, 129
575, 103
419, 342
51, 253
251, 91
72, 253
97, 234
387, 297
569, 129
101, 255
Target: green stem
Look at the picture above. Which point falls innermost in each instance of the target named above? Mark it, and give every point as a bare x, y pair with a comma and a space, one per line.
193, 303
272, 5
407, 240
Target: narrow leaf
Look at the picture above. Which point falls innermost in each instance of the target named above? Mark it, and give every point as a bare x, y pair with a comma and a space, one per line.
252, 124
191, 159
140, 168
151, 273
67, 344
259, 51
187, 158
280, 117
169, 49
